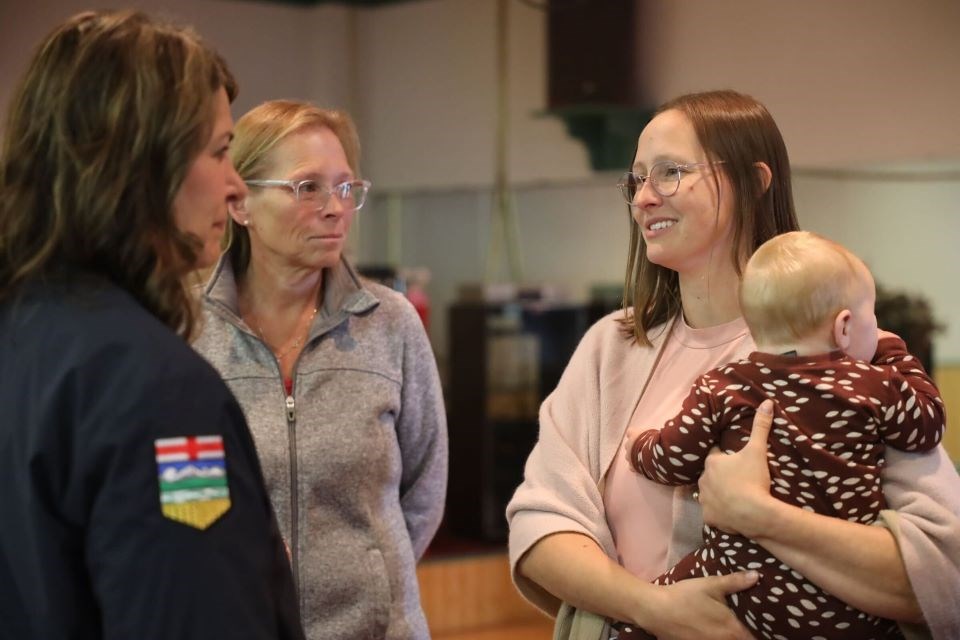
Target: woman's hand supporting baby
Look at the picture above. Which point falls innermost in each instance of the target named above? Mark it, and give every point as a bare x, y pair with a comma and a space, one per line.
860, 564
735, 489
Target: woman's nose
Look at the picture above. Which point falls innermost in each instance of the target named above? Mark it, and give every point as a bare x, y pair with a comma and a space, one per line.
646, 195
238, 188
333, 207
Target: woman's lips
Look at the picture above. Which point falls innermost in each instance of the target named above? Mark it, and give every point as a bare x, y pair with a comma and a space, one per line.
656, 226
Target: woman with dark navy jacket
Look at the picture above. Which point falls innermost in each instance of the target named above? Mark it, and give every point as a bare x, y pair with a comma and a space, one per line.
133, 502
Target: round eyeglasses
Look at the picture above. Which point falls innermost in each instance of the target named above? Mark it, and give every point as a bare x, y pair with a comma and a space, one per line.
350, 194
664, 177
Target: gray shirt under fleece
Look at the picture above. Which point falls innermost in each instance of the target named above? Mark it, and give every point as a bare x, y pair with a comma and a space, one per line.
355, 459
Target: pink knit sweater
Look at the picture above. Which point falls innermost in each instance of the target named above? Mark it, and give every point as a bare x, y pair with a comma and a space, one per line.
562, 488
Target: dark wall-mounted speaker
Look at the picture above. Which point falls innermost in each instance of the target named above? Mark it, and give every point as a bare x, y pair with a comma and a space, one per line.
593, 53
595, 79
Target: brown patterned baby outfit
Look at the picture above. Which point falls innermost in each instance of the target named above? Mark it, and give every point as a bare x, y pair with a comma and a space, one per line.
832, 419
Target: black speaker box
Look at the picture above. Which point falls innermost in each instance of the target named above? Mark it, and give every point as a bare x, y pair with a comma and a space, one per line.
593, 53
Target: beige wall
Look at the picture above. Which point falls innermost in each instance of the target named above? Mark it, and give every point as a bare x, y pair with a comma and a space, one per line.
859, 81
850, 82
274, 50
905, 229
853, 84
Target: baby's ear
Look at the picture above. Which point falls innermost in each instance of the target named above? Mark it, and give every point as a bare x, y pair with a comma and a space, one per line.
841, 329
765, 174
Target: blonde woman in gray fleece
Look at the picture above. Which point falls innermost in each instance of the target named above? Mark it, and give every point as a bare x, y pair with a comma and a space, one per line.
335, 375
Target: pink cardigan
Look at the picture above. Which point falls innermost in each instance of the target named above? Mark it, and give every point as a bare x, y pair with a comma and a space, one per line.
561, 491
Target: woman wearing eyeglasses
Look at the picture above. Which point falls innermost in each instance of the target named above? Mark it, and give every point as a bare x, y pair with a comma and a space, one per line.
335, 374
710, 182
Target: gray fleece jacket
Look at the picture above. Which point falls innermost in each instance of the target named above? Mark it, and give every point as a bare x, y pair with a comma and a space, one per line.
355, 458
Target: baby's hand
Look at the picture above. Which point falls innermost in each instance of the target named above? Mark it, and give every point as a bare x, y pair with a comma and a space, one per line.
882, 333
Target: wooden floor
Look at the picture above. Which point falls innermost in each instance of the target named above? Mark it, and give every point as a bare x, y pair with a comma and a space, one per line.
529, 631
472, 598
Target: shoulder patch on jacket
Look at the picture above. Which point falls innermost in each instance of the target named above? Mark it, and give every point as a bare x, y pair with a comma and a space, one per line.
192, 472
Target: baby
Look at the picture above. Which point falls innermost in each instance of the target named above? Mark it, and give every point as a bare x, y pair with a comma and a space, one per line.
841, 396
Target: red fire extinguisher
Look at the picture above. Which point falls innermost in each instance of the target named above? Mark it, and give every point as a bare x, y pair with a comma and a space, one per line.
417, 279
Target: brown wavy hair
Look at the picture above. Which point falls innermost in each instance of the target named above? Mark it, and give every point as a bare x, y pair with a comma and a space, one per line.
111, 113
259, 131
738, 130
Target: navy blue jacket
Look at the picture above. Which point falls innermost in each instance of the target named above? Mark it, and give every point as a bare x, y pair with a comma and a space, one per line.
89, 381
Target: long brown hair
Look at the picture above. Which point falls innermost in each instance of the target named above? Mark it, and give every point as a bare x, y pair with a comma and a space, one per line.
101, 132
259, 131
738, 130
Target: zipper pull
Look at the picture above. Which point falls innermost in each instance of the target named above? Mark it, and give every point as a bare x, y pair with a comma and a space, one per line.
291, 409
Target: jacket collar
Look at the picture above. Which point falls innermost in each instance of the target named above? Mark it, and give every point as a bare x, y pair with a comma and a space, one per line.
343, 295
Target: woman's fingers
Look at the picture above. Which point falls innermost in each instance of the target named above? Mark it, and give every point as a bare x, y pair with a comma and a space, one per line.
734, 582
697, 608
762, 421
735, 488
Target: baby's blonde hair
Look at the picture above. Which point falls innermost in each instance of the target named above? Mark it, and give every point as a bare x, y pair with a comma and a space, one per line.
795, 284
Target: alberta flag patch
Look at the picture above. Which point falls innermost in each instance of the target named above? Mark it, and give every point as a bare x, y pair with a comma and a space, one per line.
193, 479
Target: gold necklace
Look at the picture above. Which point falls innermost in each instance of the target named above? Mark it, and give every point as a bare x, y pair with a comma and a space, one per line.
295, 344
